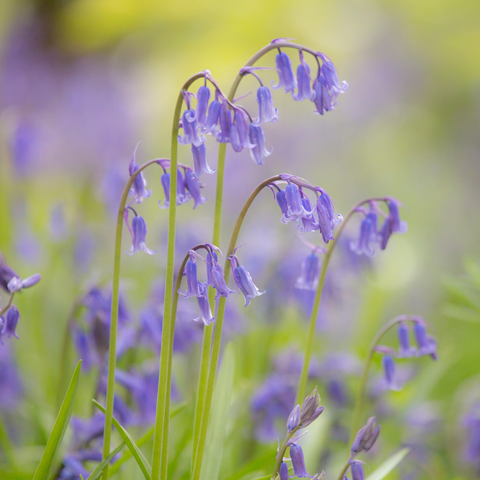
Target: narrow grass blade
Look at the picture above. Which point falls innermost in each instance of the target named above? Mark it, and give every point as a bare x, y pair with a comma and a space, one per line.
55, 440
99, 470
136, 452
388, 465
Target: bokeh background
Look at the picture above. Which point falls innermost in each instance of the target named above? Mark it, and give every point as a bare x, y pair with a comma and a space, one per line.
82, 81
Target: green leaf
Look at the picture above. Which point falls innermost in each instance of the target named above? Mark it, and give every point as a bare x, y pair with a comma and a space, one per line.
55, 440
141, 441
99, 470
221, 402
136, 452
388, 465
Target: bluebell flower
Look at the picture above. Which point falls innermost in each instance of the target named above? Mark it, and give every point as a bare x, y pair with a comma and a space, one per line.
190, 130
16, 284
85, 348
310, 409
283, 471
138, 190
392, 224
391, 380
211, 259
403, 332
426, 344
298, 461
193, 285
266, 111
203, 97
281, 198
309, 224
356, 469
244, 281
205, 311
308, 280
324, 222
225, 120
293, 419
211, 125
139, 231
6, 274
286, 78
217, 276
193, 188
366, 437
10, 323
182, 195
239, 130
305, 91
368, 235
200, 164
326, 86
257, 138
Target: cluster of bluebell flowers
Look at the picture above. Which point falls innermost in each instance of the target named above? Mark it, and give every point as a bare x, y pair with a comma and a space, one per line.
11, 283
370, 235
426, 345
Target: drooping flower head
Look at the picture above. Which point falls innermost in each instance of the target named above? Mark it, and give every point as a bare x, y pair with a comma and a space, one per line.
138, 190
190, 130
266, 111
200, 164
257, 138
243, 280
305, 91
286, 77
138, 232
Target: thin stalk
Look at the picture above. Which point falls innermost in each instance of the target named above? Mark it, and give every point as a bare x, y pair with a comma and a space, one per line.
8, 305
281, 453
217, 228
344, 470
368, 361
316, 304
172, 334
162, 416
217, 337
112, 359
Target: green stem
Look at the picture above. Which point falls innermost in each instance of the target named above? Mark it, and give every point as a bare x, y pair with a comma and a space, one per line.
162, 417
8, 305
112, 359
217, 337
281, 454
363, 380
178, 284
344, 470
316, 304
217, 226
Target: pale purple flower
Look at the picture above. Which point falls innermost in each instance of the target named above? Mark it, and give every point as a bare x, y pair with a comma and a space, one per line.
203, 97
368, 235
305, 91
308, 280
426, 344
286, 78
390, 378
309, 224
182, 195
200, 164
16, 284
193, 285
225, 120
356, 469
190, 130
139, 231
244, 281
257, 138
392, 224
406, 350
211, 125
310, 409
205, 311
293, 419
10, 323
283, 471
298, 461
193, 188
6, 274
266, 111
138, 190
366, 437
239, 137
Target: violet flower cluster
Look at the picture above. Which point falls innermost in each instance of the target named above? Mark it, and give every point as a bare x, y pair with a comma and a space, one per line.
426, 345
370, 235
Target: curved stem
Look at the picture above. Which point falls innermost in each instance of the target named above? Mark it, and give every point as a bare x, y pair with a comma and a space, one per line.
363, 380
344, 470
316, 304
8, 305
202, 438
281, 453
217, 225
114, 317
162, 415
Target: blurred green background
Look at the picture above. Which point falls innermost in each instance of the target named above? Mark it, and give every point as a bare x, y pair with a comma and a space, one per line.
88, 79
